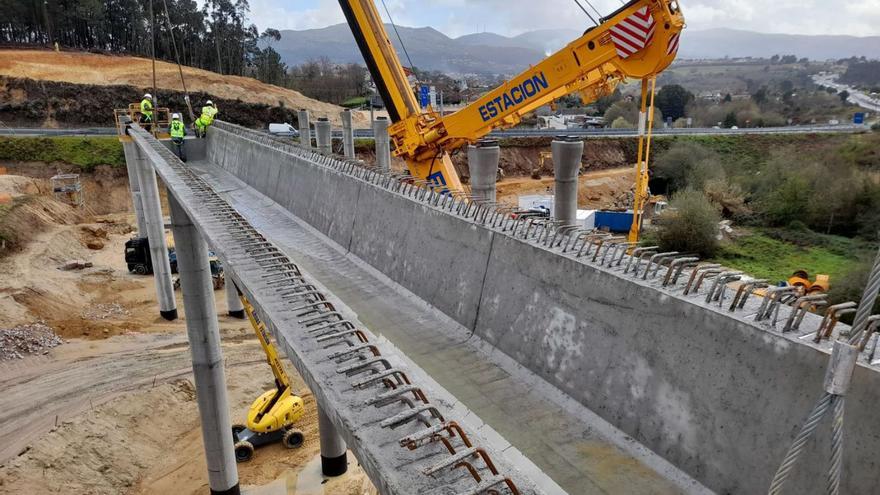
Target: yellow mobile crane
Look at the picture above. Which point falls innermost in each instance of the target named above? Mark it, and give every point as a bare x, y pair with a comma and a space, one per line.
638, 41
271, 417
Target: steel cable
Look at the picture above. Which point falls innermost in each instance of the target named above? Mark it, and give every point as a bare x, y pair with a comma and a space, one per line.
834, 470
797, 447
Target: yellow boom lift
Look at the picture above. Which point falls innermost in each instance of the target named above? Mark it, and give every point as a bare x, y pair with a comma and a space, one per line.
271, 417
638, 41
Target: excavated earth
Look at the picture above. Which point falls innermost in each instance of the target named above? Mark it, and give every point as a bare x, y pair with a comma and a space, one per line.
97, 392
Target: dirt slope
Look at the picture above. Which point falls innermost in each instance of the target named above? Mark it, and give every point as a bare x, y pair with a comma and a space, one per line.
105, 70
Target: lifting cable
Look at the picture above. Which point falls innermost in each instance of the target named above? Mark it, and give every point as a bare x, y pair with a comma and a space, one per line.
409, 60
155, 126
192, 116
585, 10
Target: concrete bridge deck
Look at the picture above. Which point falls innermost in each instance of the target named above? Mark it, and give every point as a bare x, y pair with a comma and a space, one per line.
718, 392
573, 447
372, 398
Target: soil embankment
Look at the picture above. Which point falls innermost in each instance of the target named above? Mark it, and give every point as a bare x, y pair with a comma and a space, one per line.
42, 86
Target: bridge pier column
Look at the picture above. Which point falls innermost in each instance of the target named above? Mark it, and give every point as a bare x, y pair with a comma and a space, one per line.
567, 153
134, 186
155, 230
334, 459
305, 130
323, 136
203, 333
347, 135
483, 164
234, 308
383, 143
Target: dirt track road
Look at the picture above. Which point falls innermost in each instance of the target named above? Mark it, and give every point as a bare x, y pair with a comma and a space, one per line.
41, 392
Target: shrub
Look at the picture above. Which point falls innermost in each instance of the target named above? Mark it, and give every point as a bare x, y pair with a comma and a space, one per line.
686, 164
689, 225
876, 127
621, 123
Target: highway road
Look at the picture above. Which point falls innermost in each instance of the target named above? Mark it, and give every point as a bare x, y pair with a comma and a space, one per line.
856, 97
510, 133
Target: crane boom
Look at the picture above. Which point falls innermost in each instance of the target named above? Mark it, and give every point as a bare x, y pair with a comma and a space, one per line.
638, 41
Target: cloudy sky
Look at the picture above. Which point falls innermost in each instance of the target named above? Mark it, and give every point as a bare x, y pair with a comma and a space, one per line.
512, 17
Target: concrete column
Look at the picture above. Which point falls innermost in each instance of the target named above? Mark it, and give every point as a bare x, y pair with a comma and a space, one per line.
323, 136
233, 303
383, 143
203, 333
567, 152
483, 164
134, 186
334, 461
347, 135
305, 130
155, 225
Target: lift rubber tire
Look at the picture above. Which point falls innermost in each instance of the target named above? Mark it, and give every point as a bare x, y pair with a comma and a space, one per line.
140, 269
293, 439
244, 451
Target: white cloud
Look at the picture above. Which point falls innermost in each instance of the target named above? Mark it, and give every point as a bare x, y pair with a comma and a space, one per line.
457, 17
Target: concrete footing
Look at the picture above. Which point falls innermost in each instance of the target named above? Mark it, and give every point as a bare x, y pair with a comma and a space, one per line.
234, 307
347, 135
383, 143
155, 230
334, 460
305, 130
483, 164
323, 136
203, 333
567, 152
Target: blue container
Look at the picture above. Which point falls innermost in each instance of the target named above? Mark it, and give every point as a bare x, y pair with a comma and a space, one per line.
859, 118
615, 221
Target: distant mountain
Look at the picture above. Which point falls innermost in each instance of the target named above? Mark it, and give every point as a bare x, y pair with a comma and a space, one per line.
428, 48
489, 53
719, 43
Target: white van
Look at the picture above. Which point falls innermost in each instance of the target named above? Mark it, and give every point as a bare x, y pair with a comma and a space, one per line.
283, 130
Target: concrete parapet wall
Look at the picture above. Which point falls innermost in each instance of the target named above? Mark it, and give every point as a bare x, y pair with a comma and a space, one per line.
711, 391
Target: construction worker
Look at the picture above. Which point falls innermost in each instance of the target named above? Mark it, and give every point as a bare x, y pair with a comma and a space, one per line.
209, 111
147, 111
178, 131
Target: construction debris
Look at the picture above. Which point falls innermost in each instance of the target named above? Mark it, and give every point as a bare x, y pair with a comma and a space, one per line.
75, 265
22, 340
105, 311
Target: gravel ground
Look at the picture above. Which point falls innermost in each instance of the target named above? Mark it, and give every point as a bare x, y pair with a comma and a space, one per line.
22, 340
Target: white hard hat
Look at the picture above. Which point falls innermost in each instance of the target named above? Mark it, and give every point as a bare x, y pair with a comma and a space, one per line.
175, 116
148, 96
209, 102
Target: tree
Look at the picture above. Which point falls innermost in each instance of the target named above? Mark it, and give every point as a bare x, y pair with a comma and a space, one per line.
728, 98
269, 67
690, 225
844, 95
672, 100
729, 120
761, 96
605, 102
